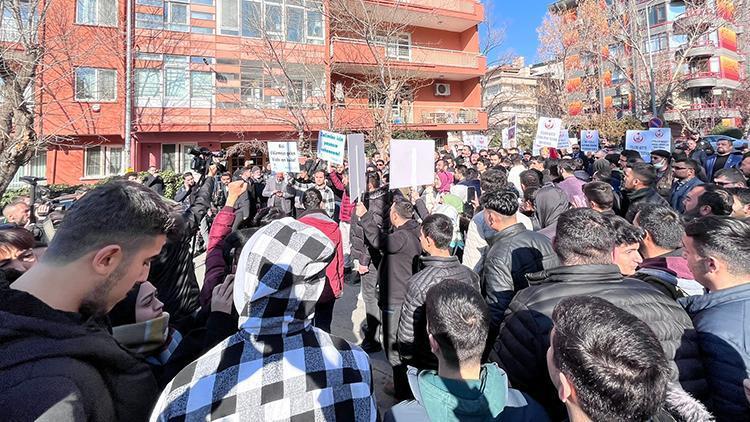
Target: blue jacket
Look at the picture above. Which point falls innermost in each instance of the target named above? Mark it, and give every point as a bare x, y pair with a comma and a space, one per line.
440, 399
677, 195
734, 160
722, 321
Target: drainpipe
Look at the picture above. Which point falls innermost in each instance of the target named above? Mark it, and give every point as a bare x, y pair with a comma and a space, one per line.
127, 150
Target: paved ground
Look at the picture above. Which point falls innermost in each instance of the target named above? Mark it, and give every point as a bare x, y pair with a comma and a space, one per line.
348, 315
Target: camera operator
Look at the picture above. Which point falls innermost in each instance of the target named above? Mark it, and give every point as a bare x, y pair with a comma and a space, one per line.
173, 272
17, 213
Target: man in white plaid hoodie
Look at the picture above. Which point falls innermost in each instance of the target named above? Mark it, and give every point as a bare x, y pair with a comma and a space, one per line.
278, 366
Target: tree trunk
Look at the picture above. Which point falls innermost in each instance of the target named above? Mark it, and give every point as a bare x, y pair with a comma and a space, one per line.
8, 168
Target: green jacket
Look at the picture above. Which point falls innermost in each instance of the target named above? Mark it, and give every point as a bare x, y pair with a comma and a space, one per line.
440, 399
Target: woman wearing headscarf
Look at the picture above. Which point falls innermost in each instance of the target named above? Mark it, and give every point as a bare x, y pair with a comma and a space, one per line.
549, 203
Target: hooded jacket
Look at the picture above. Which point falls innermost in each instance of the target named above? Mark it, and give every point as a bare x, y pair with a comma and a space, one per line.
58, 366
334, 285
670, 274
278, 366
722, 320
630, 199
377, 203
414, 347
475, 248
549, 204
521, 347
489, 398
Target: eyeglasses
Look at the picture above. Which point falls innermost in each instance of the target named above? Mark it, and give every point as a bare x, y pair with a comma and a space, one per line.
680, 168
722, 183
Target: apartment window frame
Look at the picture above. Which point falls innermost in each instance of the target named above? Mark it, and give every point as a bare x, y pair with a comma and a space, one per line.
311, 7
182, 160
393, 50
657, 14
274, 19
97, 90
97, 14
168, 13
183, 78
105, 166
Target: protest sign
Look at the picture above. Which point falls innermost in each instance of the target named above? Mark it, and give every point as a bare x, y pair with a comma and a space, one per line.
512, 133
411, 163
331, 147
589, 140
476, 141
662, 139
357, 164
564, 141
547, 133
284, 157
640, 140
506, 137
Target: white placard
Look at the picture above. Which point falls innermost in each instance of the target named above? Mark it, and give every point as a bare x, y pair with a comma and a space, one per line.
476, 141
589, 140
411, 163
662, 138
506, 138
512, 132
284, 157
331, 146
547, 133
640, 140
564, 141
357, 164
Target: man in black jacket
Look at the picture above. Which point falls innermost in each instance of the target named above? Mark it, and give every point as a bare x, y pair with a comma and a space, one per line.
401, 250
585, 243
59, 362
154, 181
435, 237
514, 252
638, 187
173, 272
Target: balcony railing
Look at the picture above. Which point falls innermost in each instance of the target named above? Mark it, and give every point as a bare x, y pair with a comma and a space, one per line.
416, 54
416, 115
463, 6
702, 75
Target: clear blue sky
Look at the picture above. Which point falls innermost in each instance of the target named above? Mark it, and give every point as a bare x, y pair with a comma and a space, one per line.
521, 19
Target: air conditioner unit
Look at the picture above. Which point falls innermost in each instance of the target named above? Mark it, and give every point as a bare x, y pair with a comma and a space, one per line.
442, 90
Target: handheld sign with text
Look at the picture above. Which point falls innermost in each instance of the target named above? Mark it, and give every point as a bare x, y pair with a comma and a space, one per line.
331, 146
662, 139
284, 157
640, 140
476, 141
506, 137
512, 132
589, 140
411, 163
357, 164
547, 133
564, 141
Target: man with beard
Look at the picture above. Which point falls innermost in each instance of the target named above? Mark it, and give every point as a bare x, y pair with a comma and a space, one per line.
638, 187
723, 159
705, 200
686, 178
55, 349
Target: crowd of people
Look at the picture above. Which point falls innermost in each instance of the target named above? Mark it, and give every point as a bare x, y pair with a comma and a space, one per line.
568, 285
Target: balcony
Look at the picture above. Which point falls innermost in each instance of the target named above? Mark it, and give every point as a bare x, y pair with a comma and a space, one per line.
700, 19
446, 15
709, 48
356, 56
717, 110
709, 79
422, 117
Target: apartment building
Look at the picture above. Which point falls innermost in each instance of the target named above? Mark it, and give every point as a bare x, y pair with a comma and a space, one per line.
510, 90
214, 73
712, 68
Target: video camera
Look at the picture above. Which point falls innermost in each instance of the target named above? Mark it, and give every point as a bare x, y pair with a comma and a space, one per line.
203, 158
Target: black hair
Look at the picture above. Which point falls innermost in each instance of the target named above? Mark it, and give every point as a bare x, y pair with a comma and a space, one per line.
529, 194
227, 174
458, 320
718, 199
403, 209
186, 175
117, 213
439, 228
613, 158
734, 175
663, 224
266, 215
625, 233
494, 179
373, 179
502, 201
567, 165
614, 361
644, 172
741, 194
312, 199
723, 237
600, 193
531, 178
584, 236
17, 238
694, 165
461, 169
471, 174
233, 244
630, 154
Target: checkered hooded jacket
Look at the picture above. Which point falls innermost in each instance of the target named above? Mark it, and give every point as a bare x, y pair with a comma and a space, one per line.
278, 366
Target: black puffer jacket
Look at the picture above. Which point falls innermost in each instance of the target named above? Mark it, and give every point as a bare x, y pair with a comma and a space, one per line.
58, 366
630, 200
173, 272
414, 346
514, 252
524, 336
377, 203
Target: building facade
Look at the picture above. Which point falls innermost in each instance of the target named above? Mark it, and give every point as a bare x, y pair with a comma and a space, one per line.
510, 90
214, 73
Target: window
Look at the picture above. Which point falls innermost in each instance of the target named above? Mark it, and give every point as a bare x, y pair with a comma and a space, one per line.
201, 88
150, 2
398, 46
251, 83
273, 20
149, 21
102, 161
202, 15
657, 14
96, 12
295, 23
229, 15
95, 84
174, 157
251, 19
174, 84
657, 43
205, 2
314, 23
176, 16
10, 28
148, 87
36, 167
